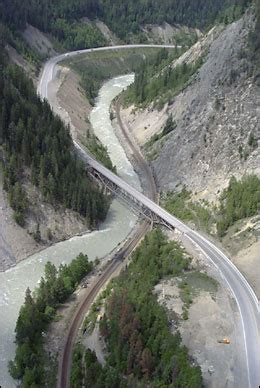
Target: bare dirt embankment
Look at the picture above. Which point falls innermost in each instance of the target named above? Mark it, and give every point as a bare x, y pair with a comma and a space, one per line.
15, 243
213, 316
214, 116
39, 41
55, 223
243, 243
71, 103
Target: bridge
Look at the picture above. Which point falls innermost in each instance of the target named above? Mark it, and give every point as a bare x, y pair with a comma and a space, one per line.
243, 293
124, 195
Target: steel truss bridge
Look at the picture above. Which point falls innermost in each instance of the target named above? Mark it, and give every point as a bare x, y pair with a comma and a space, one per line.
128, 198
243, 293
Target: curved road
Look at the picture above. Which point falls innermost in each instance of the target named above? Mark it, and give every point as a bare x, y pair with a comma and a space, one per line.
245, 297
111, 270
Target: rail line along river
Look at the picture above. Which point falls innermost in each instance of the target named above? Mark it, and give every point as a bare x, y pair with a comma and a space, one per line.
117, 226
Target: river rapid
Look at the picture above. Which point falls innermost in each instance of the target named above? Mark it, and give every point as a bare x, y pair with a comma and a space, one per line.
119, 222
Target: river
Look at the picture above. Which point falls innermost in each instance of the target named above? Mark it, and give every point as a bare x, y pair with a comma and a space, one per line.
118, 224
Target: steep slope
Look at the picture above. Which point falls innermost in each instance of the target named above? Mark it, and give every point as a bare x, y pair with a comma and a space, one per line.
45, 184
217, 118
216, 135
64, 19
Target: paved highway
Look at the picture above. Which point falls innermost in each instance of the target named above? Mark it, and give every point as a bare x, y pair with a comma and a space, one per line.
245, 297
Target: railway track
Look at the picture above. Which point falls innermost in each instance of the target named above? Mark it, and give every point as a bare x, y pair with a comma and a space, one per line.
113, 268
247, 301
139, 160
91, 293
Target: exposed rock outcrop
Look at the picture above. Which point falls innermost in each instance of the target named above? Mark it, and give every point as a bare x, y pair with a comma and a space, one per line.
216, 115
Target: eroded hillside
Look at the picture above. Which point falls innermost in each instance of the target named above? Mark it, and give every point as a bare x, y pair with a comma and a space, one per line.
217, 118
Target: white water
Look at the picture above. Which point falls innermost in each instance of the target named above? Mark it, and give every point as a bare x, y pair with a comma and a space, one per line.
118, 224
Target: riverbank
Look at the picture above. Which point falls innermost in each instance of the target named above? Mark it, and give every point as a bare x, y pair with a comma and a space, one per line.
54, 224
220, 365
97, 244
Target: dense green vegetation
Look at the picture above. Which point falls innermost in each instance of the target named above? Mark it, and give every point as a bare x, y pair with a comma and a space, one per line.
13, 38
158, 82
241, 199
96, 67
181, 205
36, 313
141, 349
35, 142
123, 17
78, 35
127, 16
99, 151
61, 19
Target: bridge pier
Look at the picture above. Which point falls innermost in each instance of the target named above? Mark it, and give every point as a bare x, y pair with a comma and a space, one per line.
128, 199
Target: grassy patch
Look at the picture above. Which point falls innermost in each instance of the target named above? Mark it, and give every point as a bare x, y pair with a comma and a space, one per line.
181, 205
191, 284
240, 200
151, 155
91, 318
200, 281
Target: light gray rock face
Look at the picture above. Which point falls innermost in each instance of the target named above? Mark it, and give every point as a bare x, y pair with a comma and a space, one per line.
215, 115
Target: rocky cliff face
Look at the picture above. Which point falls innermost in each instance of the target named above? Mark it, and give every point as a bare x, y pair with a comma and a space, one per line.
217, 117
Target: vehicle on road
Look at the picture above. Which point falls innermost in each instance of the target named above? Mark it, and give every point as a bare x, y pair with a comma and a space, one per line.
243, 293
225, 341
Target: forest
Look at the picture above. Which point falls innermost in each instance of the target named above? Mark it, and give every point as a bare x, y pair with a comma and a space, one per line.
183, 207
35, 315
157, 82
141, 349
35, 145
61, 18
239, 200
123, 17
127, 16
